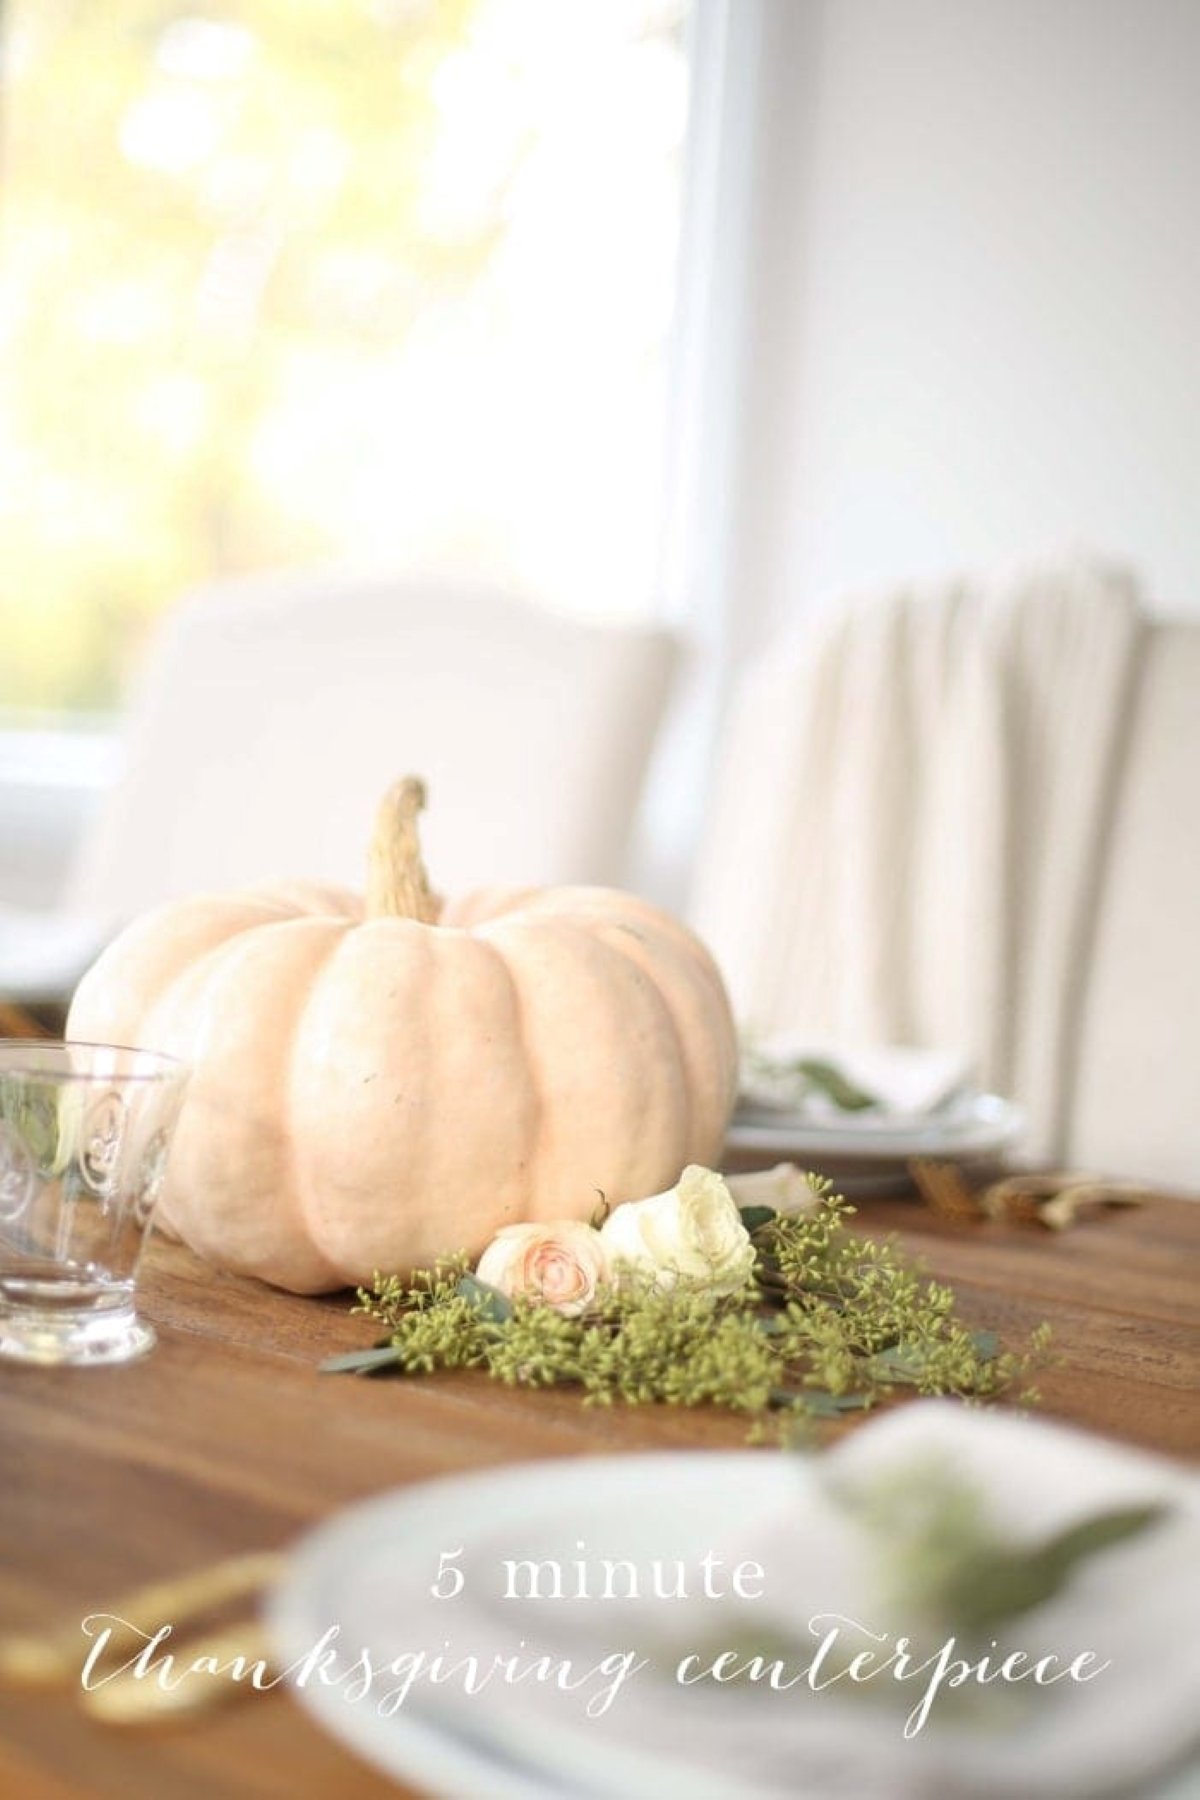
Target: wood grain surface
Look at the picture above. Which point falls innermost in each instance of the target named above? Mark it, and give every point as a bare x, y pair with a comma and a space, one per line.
227, 1439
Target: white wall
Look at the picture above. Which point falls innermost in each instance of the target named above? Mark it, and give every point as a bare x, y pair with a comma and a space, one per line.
978, 294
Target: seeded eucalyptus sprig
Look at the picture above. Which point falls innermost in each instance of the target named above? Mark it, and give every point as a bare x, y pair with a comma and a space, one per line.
829, 1323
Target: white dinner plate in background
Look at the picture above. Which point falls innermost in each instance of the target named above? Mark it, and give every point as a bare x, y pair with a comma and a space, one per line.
977, 1125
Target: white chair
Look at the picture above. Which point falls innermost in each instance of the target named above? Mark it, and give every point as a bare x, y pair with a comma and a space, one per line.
931, 837
1136, 1089
273, 712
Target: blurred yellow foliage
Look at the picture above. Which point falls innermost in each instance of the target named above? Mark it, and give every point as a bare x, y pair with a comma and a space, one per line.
201, 212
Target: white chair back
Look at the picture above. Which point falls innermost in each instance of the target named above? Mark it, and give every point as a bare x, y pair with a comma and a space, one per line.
1066, 935
273, 713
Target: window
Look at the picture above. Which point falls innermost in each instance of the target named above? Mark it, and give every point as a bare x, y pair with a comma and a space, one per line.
371, 280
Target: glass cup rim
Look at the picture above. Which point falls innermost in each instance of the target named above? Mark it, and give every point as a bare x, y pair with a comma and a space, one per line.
15, 1050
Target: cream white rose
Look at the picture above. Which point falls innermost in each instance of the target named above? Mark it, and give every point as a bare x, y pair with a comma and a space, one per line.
691, 1233
561, 1262
784, 1188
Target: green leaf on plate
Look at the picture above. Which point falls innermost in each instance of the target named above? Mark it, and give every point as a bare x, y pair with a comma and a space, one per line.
995, 1585
846, 1095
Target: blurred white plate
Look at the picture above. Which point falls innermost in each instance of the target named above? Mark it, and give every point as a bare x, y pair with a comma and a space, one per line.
373, 1572
976, 1125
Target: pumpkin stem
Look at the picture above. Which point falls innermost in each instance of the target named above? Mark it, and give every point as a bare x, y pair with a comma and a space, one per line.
397, 885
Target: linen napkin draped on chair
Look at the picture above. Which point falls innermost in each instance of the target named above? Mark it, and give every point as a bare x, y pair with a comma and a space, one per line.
910, 820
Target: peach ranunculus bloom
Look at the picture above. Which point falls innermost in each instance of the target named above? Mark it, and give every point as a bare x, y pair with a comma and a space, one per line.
561, 1262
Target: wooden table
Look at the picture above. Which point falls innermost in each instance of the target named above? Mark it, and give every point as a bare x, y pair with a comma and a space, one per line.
227, 1439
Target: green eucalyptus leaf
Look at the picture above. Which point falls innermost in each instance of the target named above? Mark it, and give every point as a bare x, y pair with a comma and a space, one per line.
898, 1363
1100, 1532
364, 1362
825, 1405
755, 1217
947, 1560
845, 1094
995, 1585
493, 1305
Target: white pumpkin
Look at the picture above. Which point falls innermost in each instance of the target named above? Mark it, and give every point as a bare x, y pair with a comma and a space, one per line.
375, 1084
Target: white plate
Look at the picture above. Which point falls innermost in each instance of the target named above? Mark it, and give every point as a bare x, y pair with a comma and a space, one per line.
978, 1125
372, 1572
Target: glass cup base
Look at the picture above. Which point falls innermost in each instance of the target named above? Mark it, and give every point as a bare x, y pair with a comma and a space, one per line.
75, 1339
